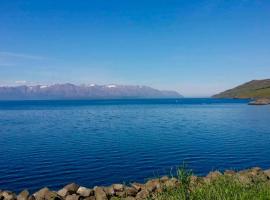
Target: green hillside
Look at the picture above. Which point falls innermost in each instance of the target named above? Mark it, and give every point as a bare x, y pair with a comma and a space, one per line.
253, 89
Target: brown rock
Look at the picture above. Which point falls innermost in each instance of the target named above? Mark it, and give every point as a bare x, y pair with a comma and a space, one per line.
258, 102
24, 195
138, 186
73, 197
152, 185
115, 198
118, 187
100, 194
130, 191
267, 172
40, 195
229, 172
142, 195
31, 197
255, 171
120, 194
212, 176
72, 188
63, 192
109, 191
163, 179
85, 192
46, 194
171, 183
129, 198
90, 198
195, 180
259, 175
7, 195
53, 196
252, 175
244, 178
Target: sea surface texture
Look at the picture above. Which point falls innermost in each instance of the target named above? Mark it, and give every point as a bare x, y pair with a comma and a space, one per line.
53, 143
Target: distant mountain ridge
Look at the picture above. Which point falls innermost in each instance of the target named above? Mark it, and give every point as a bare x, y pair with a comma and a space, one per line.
254, 89
92, 91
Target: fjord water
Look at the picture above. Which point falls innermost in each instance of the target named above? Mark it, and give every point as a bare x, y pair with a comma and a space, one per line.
52, 143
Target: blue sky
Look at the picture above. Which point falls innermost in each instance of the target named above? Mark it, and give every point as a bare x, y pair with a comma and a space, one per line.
196, 47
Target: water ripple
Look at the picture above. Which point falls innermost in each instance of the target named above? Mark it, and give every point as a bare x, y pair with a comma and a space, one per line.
55, 143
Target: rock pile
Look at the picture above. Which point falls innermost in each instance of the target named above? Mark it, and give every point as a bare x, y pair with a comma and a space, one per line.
134, 191
258, 102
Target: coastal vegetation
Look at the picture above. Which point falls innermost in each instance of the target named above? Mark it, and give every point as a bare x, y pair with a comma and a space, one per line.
250, 184
254, 89
246, 185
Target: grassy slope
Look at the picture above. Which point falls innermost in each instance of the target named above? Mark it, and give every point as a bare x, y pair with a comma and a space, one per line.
224, 188
252, 89
246, 185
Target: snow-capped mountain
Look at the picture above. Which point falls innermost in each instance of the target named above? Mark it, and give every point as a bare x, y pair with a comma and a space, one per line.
91, 91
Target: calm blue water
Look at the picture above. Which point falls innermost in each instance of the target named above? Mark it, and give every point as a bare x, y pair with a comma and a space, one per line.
52, 143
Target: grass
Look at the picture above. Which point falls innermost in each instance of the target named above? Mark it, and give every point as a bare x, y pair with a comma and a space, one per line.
252, 89
222, 188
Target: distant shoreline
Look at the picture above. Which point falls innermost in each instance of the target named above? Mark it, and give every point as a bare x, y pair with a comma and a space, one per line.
143, 100
92, 91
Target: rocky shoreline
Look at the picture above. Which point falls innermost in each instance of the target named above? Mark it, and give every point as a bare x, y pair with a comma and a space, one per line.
258, 102
133, 191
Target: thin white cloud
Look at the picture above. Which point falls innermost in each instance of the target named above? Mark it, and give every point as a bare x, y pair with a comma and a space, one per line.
21, 82
10, 55
11, 59
6, 64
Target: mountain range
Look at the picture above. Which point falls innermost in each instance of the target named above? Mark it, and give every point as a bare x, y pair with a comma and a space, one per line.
254, 89
92, 91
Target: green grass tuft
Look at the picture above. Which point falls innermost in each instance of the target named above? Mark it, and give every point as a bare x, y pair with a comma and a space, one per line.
222, 188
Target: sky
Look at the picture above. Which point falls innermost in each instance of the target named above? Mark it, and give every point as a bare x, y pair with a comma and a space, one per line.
196, 47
